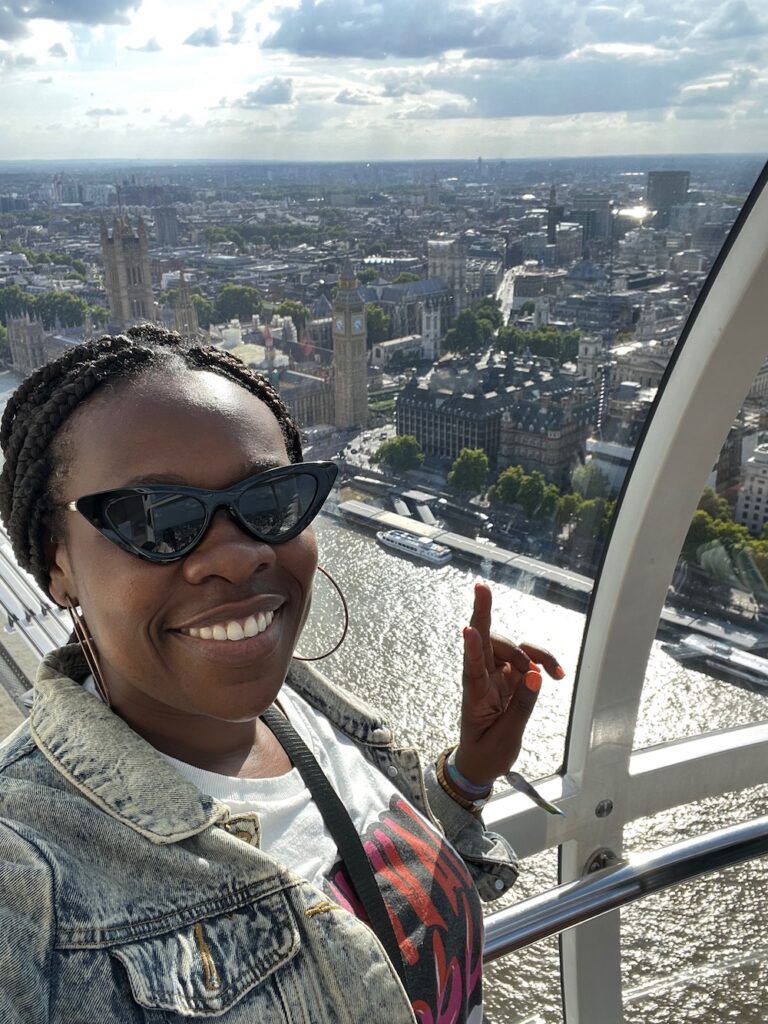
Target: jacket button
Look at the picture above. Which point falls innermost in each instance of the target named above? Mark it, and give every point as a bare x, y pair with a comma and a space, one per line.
392, 772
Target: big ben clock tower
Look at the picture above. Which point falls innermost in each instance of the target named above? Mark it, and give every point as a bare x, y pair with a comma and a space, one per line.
349, 352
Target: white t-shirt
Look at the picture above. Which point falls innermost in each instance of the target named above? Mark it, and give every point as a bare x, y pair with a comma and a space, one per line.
292, 829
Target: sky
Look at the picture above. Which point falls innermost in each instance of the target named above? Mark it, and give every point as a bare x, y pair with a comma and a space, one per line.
380, 79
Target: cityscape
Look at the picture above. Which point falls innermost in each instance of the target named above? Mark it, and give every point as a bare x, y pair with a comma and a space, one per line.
492, 332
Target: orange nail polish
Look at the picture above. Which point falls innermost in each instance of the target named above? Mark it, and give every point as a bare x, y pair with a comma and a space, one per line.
532, 681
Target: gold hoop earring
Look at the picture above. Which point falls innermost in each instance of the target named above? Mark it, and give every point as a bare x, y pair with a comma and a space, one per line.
319, 657
89, 651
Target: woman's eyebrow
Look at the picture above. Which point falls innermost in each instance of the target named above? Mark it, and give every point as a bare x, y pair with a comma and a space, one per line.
250, 469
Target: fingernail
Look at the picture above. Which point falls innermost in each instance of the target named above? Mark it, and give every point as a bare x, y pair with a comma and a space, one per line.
560, 672
533, 681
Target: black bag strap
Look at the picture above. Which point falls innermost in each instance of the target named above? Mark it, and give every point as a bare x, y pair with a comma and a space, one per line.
344, 833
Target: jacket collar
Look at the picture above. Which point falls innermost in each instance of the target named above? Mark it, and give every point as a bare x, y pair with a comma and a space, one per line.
125, 776
108, 762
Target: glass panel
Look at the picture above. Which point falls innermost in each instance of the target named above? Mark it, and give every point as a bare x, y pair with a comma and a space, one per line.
403, 651
524, 988
695, 953
708, 668
707, 960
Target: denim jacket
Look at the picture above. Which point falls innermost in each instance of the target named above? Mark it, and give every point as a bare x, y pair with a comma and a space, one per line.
126, 895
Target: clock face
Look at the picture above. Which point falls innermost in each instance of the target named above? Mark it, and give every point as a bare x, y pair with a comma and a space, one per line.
339, 323
357, 323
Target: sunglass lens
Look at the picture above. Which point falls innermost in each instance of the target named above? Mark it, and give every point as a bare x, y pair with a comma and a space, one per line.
160, 524
274, 508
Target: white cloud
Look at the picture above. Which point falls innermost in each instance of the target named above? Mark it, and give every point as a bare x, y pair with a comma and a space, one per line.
151, 46
204, 37
355, 98
275, 92
106, 112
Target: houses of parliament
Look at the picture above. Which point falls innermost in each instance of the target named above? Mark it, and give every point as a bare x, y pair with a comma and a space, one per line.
337, 396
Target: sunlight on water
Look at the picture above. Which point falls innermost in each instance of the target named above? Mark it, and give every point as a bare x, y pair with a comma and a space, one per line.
403, 654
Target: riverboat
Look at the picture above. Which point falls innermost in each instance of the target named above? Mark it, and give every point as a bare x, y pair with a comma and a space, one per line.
722, 660
419, 547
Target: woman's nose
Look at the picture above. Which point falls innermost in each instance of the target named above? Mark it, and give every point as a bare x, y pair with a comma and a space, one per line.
227, 551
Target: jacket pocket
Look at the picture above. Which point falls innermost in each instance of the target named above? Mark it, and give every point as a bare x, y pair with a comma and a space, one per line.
204, 969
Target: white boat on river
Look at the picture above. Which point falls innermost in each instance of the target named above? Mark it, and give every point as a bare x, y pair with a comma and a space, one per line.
729, 663
420, 547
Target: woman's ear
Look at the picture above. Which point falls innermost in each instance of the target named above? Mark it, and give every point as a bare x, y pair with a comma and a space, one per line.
62, 584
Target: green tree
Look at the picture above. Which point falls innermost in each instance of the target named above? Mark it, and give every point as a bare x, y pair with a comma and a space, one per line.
700, 532
297, 311
205, 310
5, 348
14, 302
713, 505
60, 308
506, 488
99, 315
528, 308
467, 335
531, 493
567, 508
489, 309
406, 277
590, 518
549, 502
589, 481
237, 301
469, 471
366, 275
377, 325
400, 453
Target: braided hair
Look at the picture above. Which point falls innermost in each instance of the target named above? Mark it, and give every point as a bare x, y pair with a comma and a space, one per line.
42, 403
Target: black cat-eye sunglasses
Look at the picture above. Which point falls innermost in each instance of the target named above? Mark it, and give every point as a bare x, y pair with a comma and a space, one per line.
163, 522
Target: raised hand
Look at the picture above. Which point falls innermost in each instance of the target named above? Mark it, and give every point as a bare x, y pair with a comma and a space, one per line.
501, 682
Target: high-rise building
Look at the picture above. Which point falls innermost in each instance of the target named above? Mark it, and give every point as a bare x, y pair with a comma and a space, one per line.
447, 260
665, 190
349, 352
185, 312
166, 225
127, 272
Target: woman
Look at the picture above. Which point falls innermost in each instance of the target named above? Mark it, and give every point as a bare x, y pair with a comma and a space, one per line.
160, 857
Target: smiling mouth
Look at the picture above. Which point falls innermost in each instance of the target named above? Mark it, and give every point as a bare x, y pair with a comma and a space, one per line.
234, 629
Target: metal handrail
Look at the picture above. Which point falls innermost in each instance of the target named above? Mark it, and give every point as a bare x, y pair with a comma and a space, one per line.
568, 905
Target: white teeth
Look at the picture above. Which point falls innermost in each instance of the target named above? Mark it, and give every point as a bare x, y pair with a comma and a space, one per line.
233, 630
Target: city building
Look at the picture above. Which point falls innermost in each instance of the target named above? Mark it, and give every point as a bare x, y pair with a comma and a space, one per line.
752, 500
166, 225
446, 260
382, 354
546, 424
350, 357
185, 313
127, 272
666, 189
